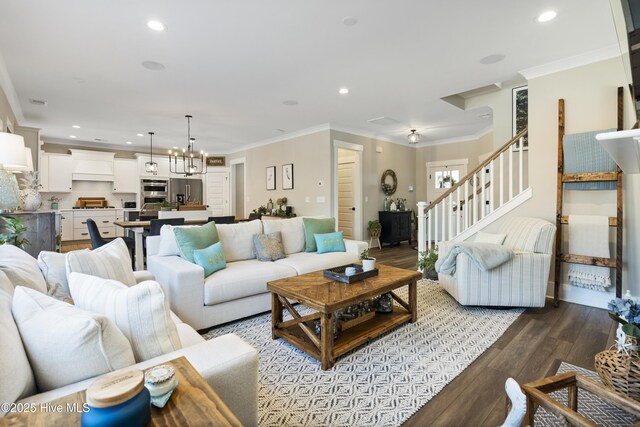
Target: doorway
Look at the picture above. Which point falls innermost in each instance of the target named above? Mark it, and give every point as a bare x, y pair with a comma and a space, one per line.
218, 193
238, 188
347, 188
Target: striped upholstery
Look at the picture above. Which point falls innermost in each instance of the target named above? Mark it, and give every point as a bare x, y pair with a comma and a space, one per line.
110, 261
521, 282
141, 312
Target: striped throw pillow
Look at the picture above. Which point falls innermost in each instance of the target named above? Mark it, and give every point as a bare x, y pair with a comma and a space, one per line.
141, 312
111, 261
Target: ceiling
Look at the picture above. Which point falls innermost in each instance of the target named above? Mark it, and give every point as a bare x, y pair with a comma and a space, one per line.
231, 64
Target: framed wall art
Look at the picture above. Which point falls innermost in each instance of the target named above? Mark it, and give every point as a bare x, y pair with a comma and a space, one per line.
519, 114
271, 177
287, 177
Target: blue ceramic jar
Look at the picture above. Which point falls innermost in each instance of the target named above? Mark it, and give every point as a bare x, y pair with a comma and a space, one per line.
118, 399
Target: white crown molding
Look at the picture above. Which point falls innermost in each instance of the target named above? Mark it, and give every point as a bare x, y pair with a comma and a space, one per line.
464, 138
586, 58
359, 132
10, 92
291, 135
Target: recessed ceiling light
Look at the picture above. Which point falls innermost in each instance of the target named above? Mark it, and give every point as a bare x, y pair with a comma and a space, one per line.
547, 16
290, 102
343, 91
129, 143
72, 136
350, 21
75, 126
492, 59
156, 25
139, 134
175, 147
153, 65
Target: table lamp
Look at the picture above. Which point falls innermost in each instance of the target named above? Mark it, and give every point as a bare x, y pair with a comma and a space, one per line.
12, 156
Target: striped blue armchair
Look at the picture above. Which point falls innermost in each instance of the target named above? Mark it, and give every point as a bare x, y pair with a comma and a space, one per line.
521, 282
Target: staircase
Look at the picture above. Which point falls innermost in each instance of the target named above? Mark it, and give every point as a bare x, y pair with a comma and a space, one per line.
487, 193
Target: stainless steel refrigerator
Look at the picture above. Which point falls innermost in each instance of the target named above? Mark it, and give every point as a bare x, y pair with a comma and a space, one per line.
183, 190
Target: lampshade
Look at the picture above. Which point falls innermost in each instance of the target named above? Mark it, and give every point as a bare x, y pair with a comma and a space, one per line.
12, 151
29, 161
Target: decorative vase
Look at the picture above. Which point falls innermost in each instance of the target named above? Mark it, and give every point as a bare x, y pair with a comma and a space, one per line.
368, 264
620, 369
30, 199
429, 274
387, 204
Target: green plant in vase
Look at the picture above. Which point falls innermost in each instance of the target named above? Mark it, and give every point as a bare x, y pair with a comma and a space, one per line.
427, 263
14, 228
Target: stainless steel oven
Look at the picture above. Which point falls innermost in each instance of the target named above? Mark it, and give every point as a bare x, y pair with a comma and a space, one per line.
153, 191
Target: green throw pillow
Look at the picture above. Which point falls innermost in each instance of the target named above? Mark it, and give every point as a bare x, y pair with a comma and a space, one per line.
211, 259
316, 226
330, 242
192, 238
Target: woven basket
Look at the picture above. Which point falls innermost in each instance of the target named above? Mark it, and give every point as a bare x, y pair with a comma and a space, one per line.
374, 234
620, 370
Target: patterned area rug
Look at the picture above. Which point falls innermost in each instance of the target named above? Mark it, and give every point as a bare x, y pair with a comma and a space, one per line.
381, 383
589, 405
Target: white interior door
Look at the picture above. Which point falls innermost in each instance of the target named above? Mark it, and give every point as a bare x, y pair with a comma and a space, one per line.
346, 190
218, 193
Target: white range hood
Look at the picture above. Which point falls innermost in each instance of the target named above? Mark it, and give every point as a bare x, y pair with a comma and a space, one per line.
92, 165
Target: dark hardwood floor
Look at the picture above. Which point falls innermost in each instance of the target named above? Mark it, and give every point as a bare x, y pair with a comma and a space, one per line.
532, 348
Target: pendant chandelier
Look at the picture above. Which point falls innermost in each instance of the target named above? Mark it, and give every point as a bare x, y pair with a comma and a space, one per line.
413, 137
151, 166
192, 163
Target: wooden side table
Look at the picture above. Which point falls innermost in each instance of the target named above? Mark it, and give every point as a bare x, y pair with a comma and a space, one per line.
537, 395
193, 403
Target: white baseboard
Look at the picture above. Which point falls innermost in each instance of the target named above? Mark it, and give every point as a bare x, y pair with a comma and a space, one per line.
582, 296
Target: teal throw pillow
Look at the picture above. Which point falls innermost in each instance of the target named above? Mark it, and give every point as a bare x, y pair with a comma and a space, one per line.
211, 259
330, 242
268, 247
313, 226
192, 238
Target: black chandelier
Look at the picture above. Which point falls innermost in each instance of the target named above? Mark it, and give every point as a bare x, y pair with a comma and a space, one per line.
192, 163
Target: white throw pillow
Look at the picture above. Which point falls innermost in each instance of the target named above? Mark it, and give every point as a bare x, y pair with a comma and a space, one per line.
141, 312
65, 344
237, 239
111, 261
54, 267
483, 237
292, 231
16, 377
168, 245
21, 268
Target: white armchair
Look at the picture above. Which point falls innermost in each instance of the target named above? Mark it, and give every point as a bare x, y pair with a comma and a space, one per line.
521, 282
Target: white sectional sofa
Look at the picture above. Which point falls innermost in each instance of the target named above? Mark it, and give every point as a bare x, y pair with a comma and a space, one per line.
240, 289
227, 363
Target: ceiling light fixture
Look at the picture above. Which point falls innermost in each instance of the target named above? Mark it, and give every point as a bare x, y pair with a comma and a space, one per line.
151, 166
413, 137
76, 126
156, 25
343, 91
190, 164
547, 16
128, 142
72, 136
139, 134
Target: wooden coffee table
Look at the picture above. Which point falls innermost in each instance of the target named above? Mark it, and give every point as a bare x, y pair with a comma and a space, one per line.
193, 403
327, 296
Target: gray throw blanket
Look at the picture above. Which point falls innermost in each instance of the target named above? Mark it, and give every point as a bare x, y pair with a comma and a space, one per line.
484, 255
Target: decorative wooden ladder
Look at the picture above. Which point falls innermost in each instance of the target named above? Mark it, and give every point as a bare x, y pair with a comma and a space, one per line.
476, 201
561, 219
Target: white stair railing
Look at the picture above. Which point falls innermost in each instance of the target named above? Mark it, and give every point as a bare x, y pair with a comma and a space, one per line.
471, 203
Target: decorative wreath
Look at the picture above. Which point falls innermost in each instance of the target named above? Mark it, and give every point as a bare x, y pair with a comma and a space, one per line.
386, 188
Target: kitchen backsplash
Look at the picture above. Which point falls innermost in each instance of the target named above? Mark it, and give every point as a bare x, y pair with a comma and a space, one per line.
88, 189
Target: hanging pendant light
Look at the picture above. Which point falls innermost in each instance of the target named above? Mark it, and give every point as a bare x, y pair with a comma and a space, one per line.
151, 166
192, 163
413, 137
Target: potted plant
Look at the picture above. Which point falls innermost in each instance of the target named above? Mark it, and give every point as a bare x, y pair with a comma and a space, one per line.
374, 228
368, 263
427, 263
165, 205
14, 228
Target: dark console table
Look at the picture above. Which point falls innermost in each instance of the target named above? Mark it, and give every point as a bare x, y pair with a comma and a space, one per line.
396, 226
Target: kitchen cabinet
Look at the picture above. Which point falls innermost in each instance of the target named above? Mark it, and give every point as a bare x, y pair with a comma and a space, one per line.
119, 217
396, 226
125, 176
103, 218
55, 173
66, 222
